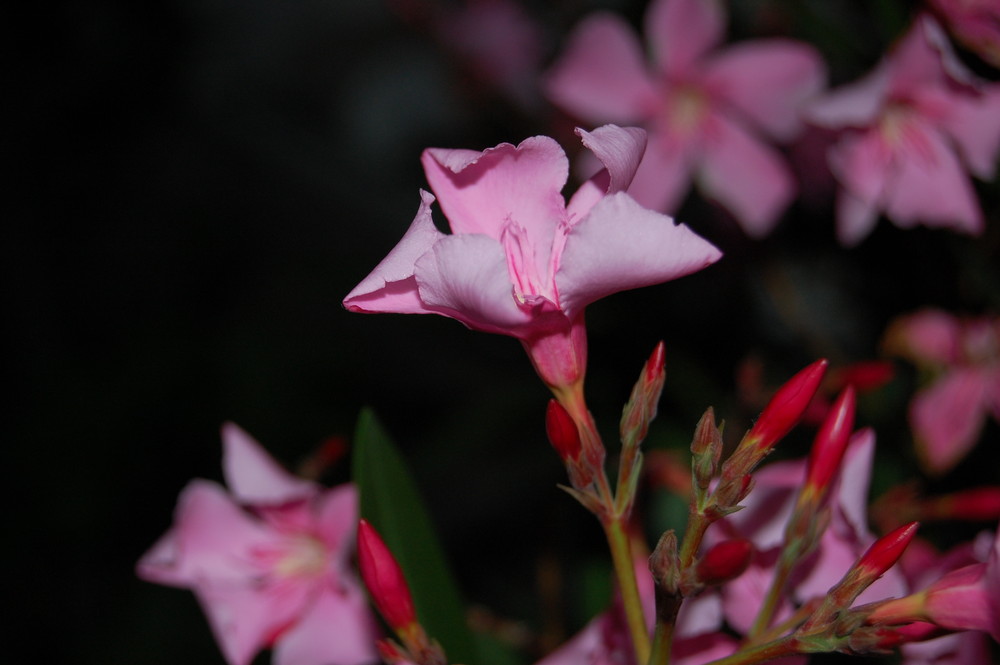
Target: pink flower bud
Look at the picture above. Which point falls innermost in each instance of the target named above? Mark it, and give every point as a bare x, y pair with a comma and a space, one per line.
725, 561
562, 430
830, 444
787, 406
384, 578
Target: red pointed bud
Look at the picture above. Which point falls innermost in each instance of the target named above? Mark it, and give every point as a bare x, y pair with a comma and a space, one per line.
384, 578
787, 406
873, 564
725, 561
976, 504
563, 432
830, 444
645, 397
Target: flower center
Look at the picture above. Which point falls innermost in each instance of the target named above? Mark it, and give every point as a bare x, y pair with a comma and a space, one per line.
521, 263
686, 109
306, 556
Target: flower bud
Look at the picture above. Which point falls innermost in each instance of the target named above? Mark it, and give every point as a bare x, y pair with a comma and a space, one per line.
384, 578
642, 404
706, 449
725, 561
873, 564
975, 504
829, 446
787, 406
562, 430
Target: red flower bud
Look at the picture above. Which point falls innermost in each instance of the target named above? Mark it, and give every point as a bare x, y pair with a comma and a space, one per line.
830, 444
725, 561
384, 578
562, 430
885, 552
787, 406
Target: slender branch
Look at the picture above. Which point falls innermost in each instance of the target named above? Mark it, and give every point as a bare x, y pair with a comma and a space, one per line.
621, 555
786, 646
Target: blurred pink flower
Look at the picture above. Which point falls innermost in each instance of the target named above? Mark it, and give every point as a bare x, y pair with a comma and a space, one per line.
911, 130
269, 561
762, 521
520, 260
964, 357
975, 23
606, 641
708, 112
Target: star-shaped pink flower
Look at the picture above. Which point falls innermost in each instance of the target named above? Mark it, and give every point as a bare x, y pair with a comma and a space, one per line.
709, 112
964, 356
269, 561
520, 260
912, 128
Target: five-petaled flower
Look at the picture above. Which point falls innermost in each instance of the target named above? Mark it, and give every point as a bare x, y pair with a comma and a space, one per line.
521, 261
708, 113
269, 561
963, 356
911, 129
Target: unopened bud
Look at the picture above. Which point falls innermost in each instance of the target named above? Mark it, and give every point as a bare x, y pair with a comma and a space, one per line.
562, 430
663, 562
829, 446
873, 564
725, 561
976, 504
642, 404
786, 407
706, 449
384, 578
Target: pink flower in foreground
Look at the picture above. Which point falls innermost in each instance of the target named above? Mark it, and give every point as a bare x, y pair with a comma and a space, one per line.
708, 113
912, 129
269, 562
964, 355
520, 260
975, 23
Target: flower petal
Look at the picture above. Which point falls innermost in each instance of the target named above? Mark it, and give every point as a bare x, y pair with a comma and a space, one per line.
680, 32
337, 520
337, 630
930, 186
947, 417
929, 337
746, 176
664, 175
767, 81
854, 105
620, 150
621, 245
601, 75
466, 277
253, 477
210, 531
391, 287
974, 124
480, 192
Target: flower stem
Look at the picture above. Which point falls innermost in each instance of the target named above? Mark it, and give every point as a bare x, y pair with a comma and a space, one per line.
663, 640
786, 646
787, 560
621, 555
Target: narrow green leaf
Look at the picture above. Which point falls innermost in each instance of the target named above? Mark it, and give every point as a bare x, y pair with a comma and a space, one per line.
391, 503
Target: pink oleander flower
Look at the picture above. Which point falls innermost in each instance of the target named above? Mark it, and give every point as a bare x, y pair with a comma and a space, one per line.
520, 260
964, 357
269, 561
709, 112
606, 640
762, 521
911, 130
975, 23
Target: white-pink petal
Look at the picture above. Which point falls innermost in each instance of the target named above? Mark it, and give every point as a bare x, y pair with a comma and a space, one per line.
253, 477
337, 629
621, 245
601, 75
681, 32
947, 418
767, 81
390, 287
522, 183
664, 175
466, 277
746, 176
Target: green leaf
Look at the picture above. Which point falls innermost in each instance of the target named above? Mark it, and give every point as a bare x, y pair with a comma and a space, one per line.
391, 503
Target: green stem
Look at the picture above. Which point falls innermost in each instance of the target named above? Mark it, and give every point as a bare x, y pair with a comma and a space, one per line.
697, 524
621, 555
789, 555
663, 640
786, 646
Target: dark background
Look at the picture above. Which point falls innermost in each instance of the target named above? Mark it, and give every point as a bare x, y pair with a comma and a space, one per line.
197, 184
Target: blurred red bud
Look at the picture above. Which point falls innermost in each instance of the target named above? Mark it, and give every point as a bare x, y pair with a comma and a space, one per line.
885, 552
562, 430
725, 561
